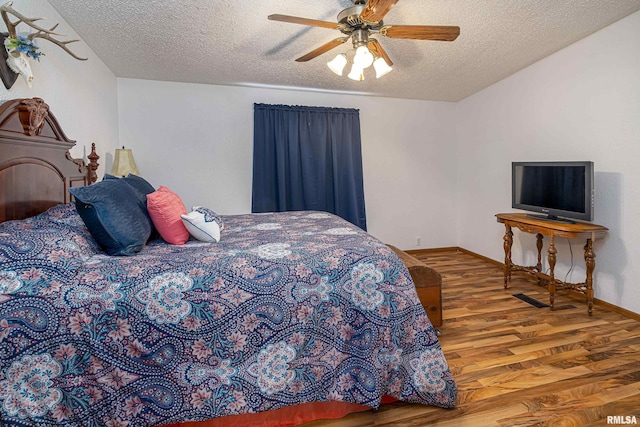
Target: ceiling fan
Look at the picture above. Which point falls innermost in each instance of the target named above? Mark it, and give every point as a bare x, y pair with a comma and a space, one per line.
358, 23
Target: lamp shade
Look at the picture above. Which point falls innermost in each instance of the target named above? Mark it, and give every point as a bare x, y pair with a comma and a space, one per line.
123, 163
363, 57
381, 67
356, 73
337, 64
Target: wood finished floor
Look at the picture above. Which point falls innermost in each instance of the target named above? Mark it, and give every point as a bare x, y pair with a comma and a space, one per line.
517, 365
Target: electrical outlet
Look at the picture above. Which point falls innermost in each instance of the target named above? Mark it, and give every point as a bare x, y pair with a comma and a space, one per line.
418, 241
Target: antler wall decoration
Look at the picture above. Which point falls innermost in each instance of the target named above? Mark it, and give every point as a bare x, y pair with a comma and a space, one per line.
18, 49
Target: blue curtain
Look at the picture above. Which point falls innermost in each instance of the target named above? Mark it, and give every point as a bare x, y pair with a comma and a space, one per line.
308, 158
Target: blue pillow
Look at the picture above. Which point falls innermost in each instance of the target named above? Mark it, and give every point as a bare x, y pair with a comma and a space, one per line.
137, 182
115, 216
143, 188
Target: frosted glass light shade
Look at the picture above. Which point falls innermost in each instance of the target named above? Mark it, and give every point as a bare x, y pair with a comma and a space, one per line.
338, 63
356, 73
363, 57
123, 163
381, 67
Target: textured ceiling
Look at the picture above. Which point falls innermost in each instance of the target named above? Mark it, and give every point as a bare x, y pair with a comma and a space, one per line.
233, 43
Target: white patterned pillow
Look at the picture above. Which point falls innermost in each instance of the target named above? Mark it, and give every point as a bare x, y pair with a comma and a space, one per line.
203, 224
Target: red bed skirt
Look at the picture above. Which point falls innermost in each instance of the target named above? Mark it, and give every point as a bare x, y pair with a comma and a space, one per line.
287, 416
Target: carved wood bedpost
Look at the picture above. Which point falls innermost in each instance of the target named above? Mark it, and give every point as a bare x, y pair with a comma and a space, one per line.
93, 164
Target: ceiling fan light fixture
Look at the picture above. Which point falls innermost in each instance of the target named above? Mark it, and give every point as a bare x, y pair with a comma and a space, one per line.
338, 63
358, 24
357, 73
381, 67
363, 57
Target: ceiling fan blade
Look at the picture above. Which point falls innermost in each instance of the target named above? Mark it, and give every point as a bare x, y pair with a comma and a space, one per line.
375, 10
376, 48
420, 32
322, 49
304, 21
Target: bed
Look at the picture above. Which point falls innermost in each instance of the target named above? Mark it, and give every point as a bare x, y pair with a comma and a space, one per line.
290, 317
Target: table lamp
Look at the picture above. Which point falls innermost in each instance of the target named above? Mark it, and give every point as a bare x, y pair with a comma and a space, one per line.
123, 163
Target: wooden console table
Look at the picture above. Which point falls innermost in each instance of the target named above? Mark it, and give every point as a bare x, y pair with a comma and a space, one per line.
552, 229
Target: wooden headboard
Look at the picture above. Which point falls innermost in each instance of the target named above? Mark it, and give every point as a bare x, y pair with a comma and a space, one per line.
36, 168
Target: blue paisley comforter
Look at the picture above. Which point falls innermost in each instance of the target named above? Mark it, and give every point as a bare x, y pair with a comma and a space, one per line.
287, 308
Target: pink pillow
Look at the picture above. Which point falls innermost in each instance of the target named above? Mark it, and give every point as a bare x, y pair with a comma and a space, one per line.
165, 208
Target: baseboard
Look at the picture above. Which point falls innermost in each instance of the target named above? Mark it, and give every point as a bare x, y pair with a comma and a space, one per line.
431, 250
482, 257
596, 301
454, 249
611, 307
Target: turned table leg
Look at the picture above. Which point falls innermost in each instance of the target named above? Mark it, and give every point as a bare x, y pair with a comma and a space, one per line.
539, 246
552, 263
508, 241
590, 261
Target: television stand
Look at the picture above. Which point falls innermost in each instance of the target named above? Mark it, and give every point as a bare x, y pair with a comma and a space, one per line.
552, 229
551, 218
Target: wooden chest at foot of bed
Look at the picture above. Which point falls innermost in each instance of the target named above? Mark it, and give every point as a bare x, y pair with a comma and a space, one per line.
428, 285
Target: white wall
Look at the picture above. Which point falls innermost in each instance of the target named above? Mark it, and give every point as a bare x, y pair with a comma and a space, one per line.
197, 140
582, 103
81, 94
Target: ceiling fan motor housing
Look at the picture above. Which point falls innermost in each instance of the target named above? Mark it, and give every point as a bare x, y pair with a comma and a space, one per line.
349, 20
360, 38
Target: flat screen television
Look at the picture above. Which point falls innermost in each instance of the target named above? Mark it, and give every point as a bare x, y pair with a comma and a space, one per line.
557, 190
